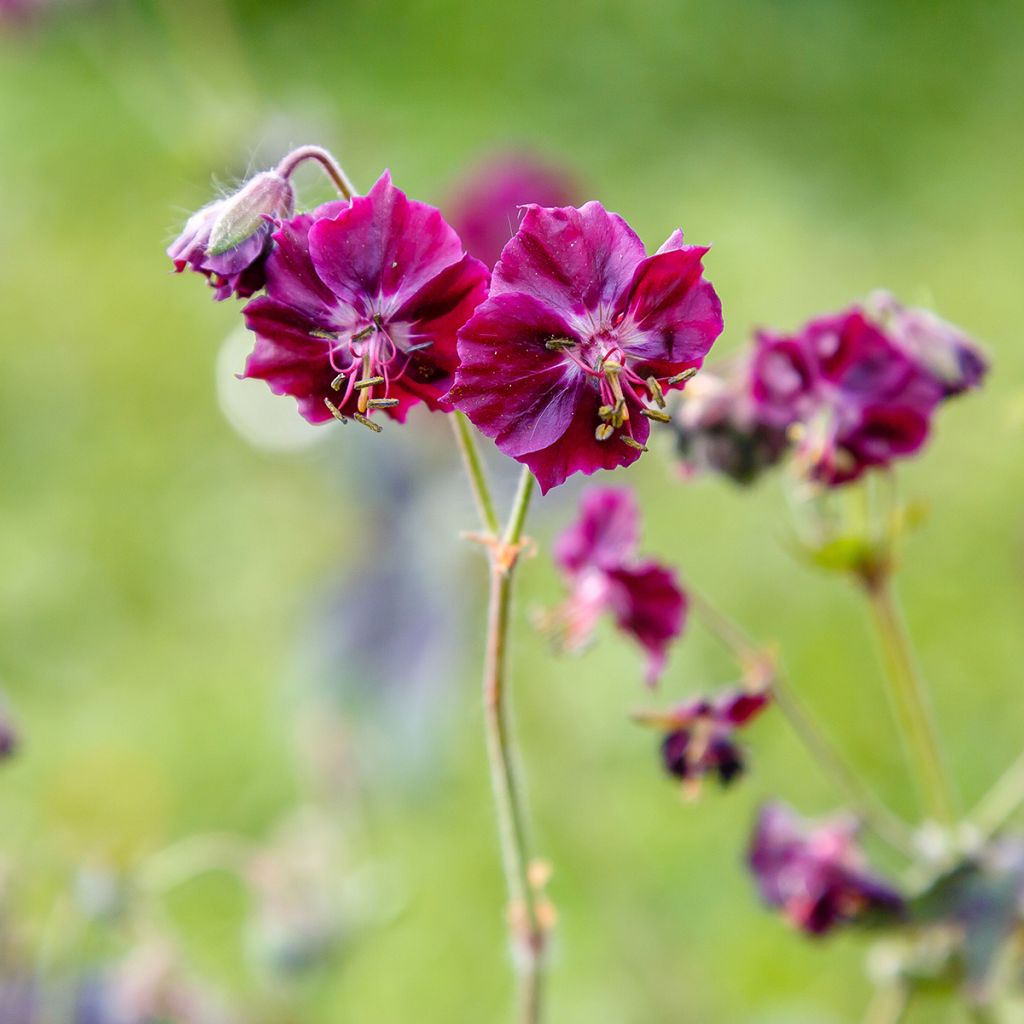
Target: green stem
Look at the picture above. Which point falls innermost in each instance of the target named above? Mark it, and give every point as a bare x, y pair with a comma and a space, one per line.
910, 702
807, 729
1002, 801
475, 472
341, 182
888, 1006
526, 927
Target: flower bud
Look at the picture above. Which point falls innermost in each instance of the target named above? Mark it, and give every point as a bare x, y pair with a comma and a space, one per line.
228, 241
246, 212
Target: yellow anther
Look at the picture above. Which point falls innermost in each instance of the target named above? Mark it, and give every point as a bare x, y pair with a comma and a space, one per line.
337, 382
368, 382
630, 443
679, 378
604, 431
657, 394
657, 414
335, 411
366, 422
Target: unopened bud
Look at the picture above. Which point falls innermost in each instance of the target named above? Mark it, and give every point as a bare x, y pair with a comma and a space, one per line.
246, 212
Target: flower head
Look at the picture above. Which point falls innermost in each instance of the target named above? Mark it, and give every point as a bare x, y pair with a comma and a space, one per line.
953, 359
362, 306
815, 874
718, 428
582, 333
847, 392
491, 201
597, 556
228, 241
699, 735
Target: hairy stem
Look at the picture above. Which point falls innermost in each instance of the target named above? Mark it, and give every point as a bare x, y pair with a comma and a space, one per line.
287, 166
910, 702
807, 729
527, 929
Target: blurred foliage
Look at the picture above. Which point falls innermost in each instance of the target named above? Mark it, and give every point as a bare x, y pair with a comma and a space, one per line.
157, 576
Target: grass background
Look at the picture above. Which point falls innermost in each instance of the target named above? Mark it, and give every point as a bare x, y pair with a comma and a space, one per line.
158, 575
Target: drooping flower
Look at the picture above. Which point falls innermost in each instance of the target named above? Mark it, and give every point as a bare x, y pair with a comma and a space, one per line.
849, 394
816, 874
228, 241
362, 307
718, 428
699, 735
582, 333
597, 556
945, 351
490, 202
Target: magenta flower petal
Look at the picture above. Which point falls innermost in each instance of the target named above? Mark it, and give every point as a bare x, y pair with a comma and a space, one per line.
606, 533
576, 260
816, 874
580, 332
675, 313
363, 306
382, 245
649, 604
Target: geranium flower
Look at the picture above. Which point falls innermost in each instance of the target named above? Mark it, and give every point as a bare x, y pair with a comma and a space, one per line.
816, 874
490, 202
945, 351
228, 241
850, 396
582, 333
362, 307
699, 735
597, 556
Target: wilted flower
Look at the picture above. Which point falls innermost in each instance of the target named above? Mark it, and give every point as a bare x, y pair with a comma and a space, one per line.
956, 362
597, 555
580, 332
718, 428
849, 395
228, 241
816, 874
699, 735
490, 202
362, 308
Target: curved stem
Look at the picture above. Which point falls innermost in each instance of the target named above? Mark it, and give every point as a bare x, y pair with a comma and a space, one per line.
287, 166
807, 729
910, 702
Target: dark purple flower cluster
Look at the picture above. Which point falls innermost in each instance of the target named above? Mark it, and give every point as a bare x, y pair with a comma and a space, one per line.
700, 736
597, 556
816, 874
846, 393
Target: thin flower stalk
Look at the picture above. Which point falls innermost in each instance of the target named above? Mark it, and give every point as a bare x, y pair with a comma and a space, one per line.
886, 825
911, 702
526, 914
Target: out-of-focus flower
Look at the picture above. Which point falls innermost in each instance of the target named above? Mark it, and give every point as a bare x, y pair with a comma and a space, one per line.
9, 741
816, 874
581, 330
718, 428
699, 735
490, 201
228, 240
362, 308
597, 556
849, 395
954, 359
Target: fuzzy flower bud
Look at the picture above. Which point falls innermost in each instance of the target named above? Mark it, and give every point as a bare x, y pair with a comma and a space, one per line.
228, 240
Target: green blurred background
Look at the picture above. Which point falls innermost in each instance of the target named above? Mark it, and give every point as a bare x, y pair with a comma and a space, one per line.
158, 574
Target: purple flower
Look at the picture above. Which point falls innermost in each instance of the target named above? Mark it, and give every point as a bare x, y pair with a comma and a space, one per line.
362, 307
815, 874
490, 202
699, 735
718, 427
953, 359
850, 395
597, 556
580, 331
228, 241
